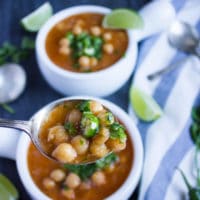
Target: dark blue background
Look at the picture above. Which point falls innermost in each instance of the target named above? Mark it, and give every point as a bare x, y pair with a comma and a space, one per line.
37, 92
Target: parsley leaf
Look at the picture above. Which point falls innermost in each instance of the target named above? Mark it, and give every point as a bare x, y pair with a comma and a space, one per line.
70, 128
12, 53
84, 106
7, 108
86, 171
117, 131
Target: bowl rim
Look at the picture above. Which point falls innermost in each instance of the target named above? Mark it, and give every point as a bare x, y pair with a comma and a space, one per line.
130, 182
41, 39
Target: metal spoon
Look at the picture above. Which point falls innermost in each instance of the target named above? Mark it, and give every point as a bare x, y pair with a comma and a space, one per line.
183, 37
32, 128
12, 82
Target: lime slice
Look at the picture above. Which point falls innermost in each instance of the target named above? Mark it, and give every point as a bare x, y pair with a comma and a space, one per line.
144, 105
4, 194
34, 21
8, 189
123, 19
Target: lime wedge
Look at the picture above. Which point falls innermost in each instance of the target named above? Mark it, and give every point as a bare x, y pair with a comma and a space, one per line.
8, 189
4, 194
123, 19
144, 105
34, 21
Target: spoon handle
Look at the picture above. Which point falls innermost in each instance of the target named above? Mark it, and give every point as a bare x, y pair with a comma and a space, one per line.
165, 70
16, 124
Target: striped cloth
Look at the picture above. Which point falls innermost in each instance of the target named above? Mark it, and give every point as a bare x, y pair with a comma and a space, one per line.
167, 142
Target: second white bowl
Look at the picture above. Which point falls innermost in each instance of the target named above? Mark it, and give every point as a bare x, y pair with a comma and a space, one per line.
100, 83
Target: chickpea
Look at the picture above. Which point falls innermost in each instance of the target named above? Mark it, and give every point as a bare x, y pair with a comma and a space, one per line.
84, 62
98, 178
57, 175
80, 144
68, 193
107, 36
102, 136
106, 118
80, 22
48, 183
95, 107
86, 185
57, 135
116, 144
74, 116
64, 153
108, 48
72, 181
64, 42
77, 30
64, 50
93, 62
98, 150
61, 26
95, 30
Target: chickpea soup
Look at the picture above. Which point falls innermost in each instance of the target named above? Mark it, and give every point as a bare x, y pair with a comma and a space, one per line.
80, 182
80, 44
81, 131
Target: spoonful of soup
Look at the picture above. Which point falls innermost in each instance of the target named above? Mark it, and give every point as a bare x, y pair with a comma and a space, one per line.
73, 131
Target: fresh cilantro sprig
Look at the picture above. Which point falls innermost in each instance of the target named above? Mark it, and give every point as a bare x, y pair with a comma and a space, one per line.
12, 53
194, 191
70, 128
86, 171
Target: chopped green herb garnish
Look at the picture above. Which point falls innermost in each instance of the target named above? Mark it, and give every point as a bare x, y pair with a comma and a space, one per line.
89, 124
84, 106
86, 171
196, 114
12, 53
194, 191
70, 128
105, 162
7, 108
109, 118
82, 141
85, 44
117, 131
70, 36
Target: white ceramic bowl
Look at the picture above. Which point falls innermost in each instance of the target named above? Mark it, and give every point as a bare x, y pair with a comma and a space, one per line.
9, 140
100, 83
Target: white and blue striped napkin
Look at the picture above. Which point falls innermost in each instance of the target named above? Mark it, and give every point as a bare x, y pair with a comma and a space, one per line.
167, 142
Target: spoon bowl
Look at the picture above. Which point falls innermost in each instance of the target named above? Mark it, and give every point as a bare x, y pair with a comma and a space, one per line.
12, 82
183, 37
35, 132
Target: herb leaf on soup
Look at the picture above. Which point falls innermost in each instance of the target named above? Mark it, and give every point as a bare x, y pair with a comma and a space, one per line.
117, 131
85, 44
70, 128
86, 171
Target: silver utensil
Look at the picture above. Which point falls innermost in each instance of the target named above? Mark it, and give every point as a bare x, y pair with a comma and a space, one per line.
183, 37
12, 82
32, 127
